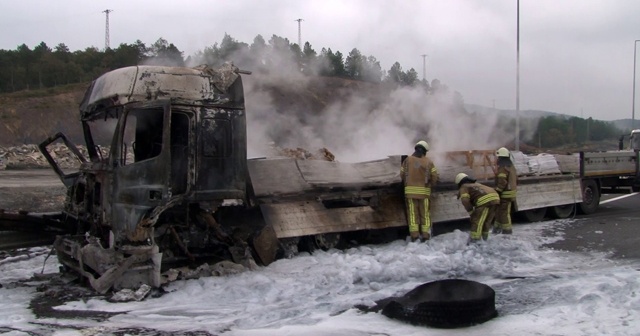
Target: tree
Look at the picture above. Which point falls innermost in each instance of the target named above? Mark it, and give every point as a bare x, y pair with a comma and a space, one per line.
372, 71
297, 55
354, 64
309, 59
308, 53
25, 58
395, 74
258, 51
61, 51
281, 56
164, 53
337, 62
410, 77
324, 62
230, 48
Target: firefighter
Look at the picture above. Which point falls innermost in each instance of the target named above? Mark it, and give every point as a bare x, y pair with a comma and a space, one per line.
419, 175
480, 201
506, 182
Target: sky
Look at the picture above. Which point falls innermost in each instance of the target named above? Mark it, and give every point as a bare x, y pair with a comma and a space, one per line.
576, 56
539, 291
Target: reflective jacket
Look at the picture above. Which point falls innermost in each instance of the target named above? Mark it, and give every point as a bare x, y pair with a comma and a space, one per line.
506, 181
476, 195
419, 175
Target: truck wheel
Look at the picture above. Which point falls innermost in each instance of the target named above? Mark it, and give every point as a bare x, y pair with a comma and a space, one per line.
328, 241
534, 215
449, 303
324, 241
561, 211
590, 197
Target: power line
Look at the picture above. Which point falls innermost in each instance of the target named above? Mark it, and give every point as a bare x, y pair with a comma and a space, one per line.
299, 33
106, 29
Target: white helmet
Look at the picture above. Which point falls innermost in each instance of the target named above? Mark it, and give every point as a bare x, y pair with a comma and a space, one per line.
502, 152
460, 176
423, 144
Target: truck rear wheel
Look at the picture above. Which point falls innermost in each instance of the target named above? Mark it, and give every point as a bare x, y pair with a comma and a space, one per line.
590, 197
534, 215
324, 241
561, 211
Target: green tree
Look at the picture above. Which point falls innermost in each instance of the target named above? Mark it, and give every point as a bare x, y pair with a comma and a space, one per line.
25, 58
164, 53
410, 77
354, 64
337, 62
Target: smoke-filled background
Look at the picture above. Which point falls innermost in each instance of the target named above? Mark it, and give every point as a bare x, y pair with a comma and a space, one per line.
371, 122
291, 103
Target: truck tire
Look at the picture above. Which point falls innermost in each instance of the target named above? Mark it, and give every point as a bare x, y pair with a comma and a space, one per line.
590, 197
533, 215
323, 241
450, 303
561, 211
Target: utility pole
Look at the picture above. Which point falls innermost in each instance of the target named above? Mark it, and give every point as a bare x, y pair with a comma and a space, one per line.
424, 67
633, 103
106, 29
518, 77
299, 33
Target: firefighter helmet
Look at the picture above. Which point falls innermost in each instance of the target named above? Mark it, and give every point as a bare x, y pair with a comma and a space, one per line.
502, 152
460, 176
423, 144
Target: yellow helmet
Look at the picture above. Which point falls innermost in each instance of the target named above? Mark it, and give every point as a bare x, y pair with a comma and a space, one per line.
502, 152
423, 144
460, 176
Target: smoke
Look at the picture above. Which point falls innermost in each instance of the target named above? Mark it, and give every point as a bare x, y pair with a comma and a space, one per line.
365, 122
289, 106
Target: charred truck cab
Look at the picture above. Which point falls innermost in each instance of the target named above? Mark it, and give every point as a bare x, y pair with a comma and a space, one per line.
178, 154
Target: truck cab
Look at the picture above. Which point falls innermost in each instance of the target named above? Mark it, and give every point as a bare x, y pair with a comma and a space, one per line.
634, 140
177, 151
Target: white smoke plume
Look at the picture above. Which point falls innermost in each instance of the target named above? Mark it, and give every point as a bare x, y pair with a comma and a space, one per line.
288, 105
361, 125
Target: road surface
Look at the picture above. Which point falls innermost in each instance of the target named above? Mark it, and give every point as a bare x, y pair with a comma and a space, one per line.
613, 228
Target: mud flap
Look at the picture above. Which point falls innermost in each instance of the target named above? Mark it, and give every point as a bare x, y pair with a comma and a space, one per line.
265, 243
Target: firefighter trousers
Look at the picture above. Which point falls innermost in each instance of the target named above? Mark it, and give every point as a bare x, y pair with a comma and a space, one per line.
418, 217
503, 215
481, 219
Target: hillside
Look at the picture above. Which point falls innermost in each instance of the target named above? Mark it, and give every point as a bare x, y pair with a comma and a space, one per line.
31, 116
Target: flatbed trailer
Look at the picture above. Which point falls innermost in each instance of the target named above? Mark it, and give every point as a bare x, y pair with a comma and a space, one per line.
311, 197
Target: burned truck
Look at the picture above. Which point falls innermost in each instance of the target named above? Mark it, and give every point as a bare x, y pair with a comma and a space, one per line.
177, 156
174, 186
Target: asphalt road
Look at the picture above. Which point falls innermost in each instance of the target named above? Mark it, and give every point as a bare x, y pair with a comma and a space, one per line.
614, 227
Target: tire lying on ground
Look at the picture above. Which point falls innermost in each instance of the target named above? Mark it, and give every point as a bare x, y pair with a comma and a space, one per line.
451, 303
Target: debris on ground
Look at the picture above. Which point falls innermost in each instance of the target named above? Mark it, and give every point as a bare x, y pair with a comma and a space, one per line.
127, 295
